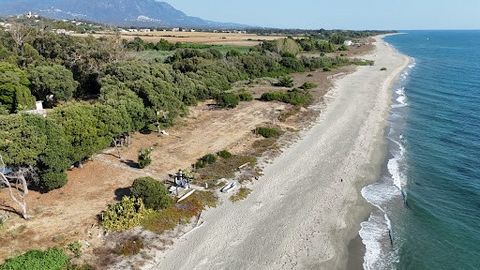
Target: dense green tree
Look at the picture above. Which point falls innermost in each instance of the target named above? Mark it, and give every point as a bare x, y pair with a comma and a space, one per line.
53, 80
14, 93
81, 129
21, 141
153, 193
53, 162
116, 94
337, 38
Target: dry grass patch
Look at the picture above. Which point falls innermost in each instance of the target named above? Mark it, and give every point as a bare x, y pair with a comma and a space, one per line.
180, 213
222, 168
289, 113
129, 247
242, 194
261, 146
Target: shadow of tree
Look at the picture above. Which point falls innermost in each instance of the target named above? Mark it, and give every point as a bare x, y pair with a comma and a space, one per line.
131, 163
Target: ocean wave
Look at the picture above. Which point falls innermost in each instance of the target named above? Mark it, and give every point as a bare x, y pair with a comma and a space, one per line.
395, 164
376, 231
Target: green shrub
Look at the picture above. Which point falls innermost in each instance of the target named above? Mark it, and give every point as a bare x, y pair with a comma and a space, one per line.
295, 97
285, 81
268, 132
343, 48
298, 97
153, 193
326, 69
228, 100
245, 96
50, 259
75, 248
144, 158
308, 86
273, 96
53, 180
124, 215
205, 160
224, 154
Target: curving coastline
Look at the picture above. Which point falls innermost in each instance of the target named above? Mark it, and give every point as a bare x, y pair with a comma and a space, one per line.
307, 207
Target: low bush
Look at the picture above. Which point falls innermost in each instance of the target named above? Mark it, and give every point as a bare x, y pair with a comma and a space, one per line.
205, 160
75, 248
267, 132
308, 86
285, 81
273, 96
295, 96
224, 154
245, 96
298, 97
383, 69
326, 69
144, 158
228, 100
154, 195
124, 215
50, 259
52, 180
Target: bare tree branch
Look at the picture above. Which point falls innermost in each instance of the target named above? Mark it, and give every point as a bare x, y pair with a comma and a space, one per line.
17, 186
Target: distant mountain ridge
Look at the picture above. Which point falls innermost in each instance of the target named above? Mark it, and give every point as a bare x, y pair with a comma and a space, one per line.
143, 13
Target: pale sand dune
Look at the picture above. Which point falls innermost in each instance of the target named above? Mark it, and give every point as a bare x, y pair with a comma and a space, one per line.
299, 215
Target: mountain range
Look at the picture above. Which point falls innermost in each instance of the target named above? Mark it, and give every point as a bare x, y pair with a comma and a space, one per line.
141, 13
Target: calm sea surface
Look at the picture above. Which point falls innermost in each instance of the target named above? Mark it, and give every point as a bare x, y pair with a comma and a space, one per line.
428, 200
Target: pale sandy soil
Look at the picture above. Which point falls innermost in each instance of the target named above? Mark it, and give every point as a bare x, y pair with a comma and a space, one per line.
195, 37
300, 214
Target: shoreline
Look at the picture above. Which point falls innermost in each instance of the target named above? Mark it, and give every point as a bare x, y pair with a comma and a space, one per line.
356, 247
307, 207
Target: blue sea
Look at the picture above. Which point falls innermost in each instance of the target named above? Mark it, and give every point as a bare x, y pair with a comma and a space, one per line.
427, 213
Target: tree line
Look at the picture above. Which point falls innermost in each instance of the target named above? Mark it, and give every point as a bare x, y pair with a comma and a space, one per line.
95, 92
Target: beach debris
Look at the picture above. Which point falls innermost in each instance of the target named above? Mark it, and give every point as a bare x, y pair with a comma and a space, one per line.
243, 166
228, 187
186, 195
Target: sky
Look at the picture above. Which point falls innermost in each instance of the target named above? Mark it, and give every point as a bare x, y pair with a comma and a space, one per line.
339, 14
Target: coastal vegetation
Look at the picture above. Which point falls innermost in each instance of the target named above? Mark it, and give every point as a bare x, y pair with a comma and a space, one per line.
267, 132
52, 259
297, 97
152, 192
241, 194
98, 91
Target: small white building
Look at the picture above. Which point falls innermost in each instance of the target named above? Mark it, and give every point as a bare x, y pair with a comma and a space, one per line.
39, 110
348, 43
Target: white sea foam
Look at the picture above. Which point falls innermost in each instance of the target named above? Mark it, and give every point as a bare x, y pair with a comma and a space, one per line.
376, 232
371, 234
377, 229
394, 166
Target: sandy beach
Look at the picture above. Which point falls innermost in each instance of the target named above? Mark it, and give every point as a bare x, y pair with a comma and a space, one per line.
307, 207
